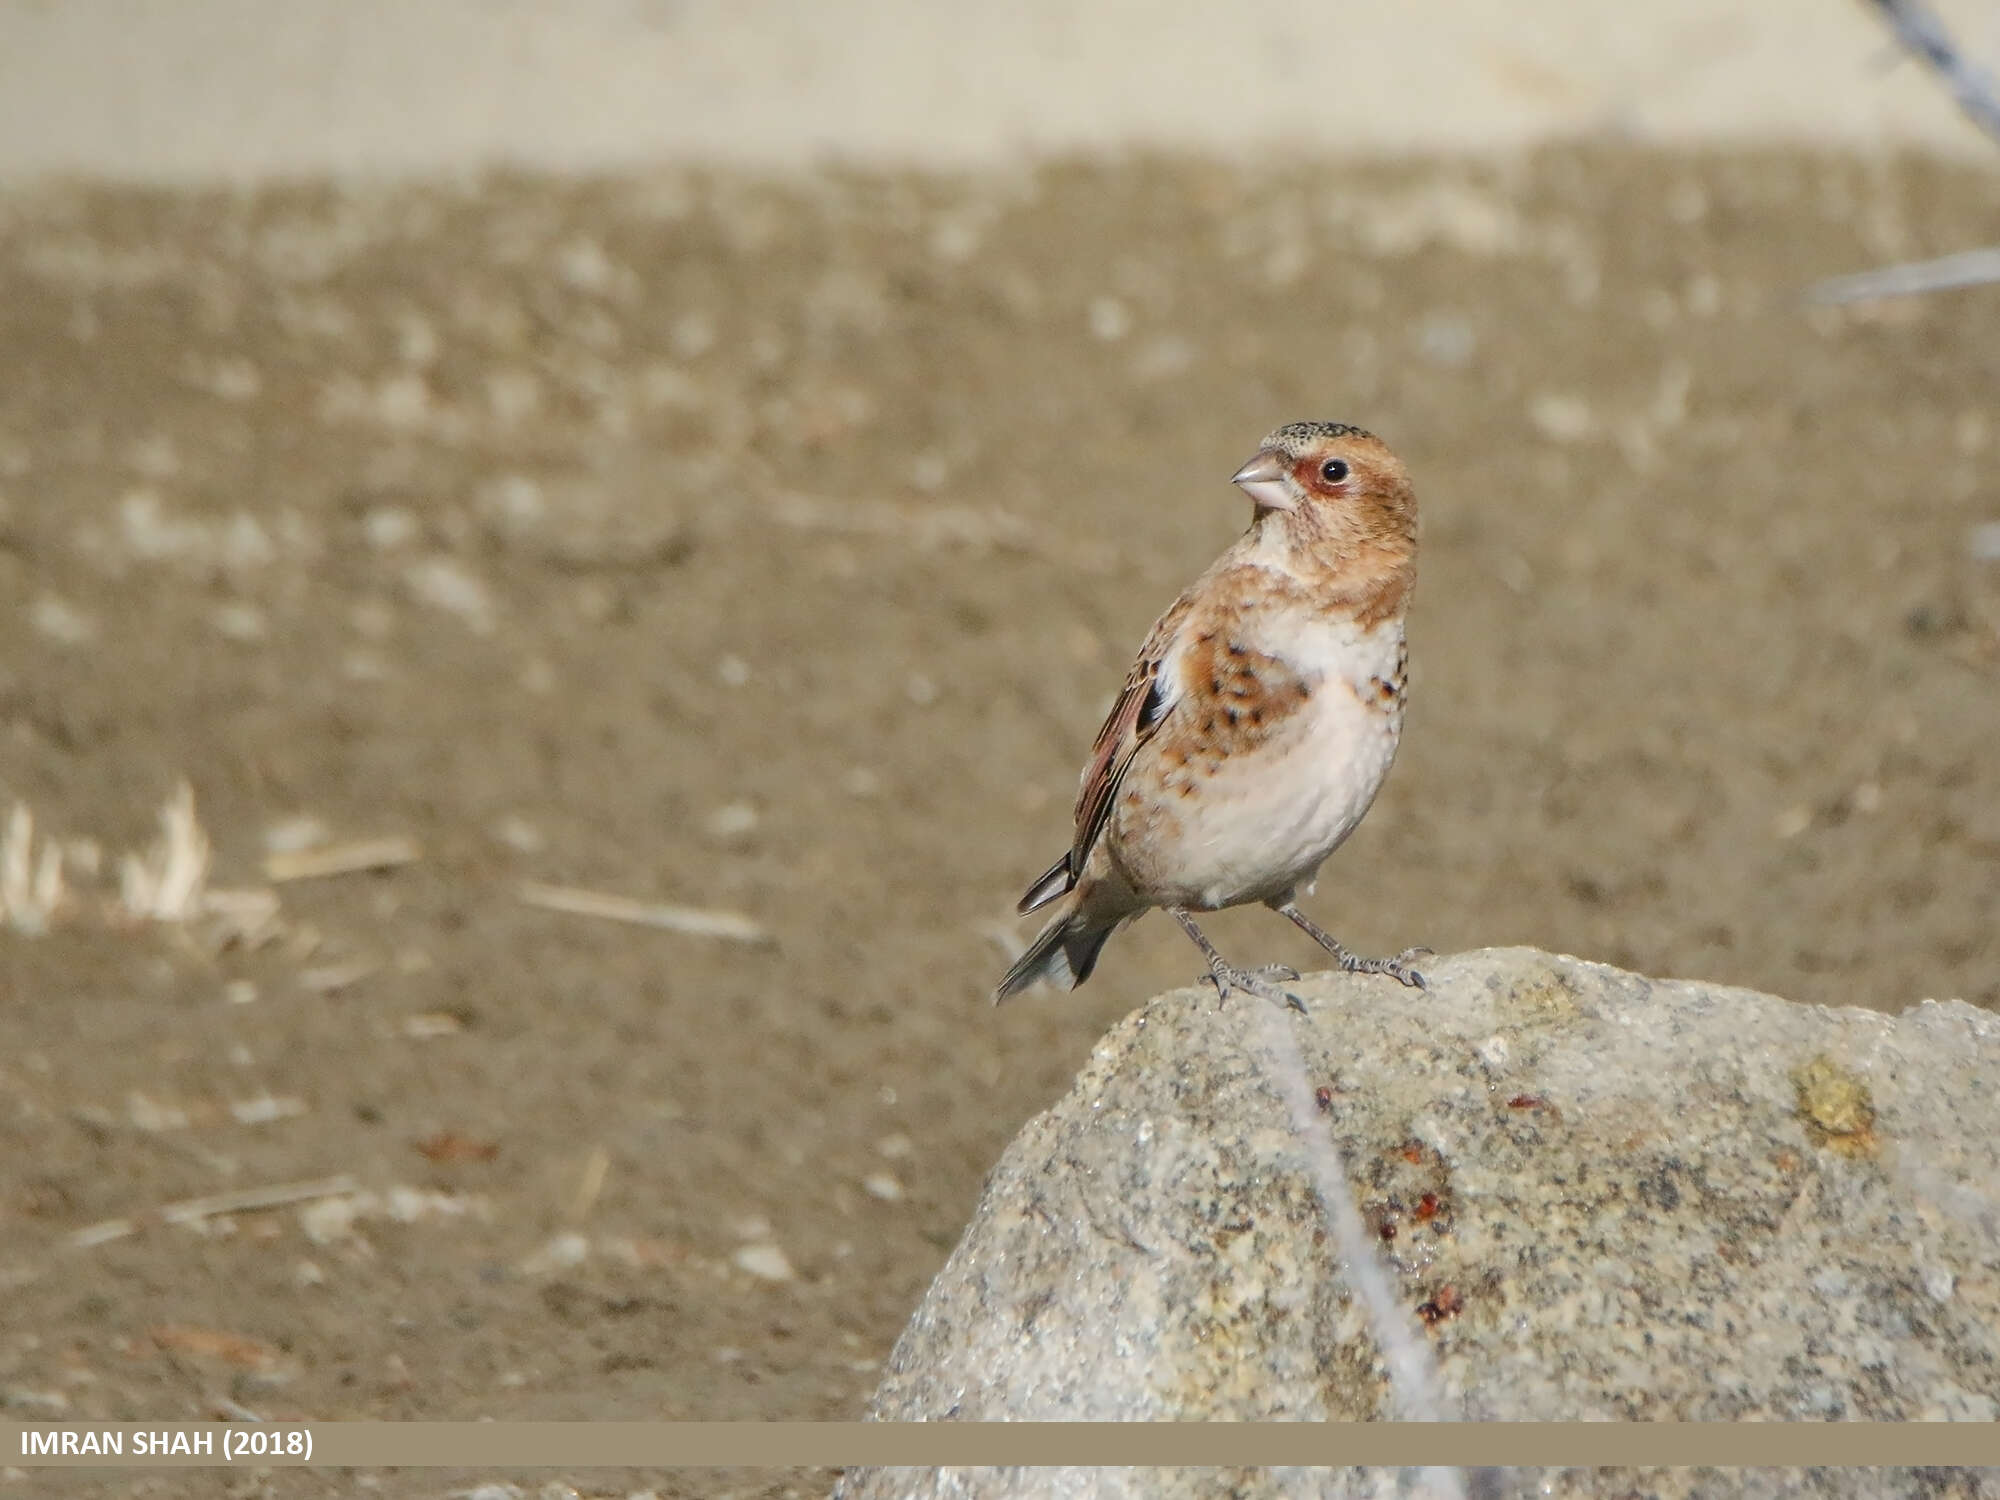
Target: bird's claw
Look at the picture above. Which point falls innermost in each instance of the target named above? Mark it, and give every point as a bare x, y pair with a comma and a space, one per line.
1397, 968
1226, 977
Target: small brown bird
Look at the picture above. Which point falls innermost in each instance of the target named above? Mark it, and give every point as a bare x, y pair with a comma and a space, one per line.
1258, 723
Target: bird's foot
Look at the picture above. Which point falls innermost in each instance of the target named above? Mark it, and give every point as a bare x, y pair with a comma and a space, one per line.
1259, 982
1397, 968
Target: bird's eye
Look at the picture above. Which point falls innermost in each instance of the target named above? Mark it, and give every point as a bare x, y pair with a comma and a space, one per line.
1333, 470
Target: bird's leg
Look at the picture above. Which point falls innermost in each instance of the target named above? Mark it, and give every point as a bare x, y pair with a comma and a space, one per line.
1225, 976
1352, 963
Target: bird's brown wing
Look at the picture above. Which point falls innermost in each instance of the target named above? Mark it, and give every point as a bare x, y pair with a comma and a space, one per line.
1143, 705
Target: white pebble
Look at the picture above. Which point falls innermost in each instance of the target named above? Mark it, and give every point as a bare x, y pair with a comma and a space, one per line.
559, 1254
883, 1185
239, 622
265, 1108
929, 471
584, 266
235, 380
446, 584
518, 834
289, 835
692, 335
388, 527
732, 820
403, 400
733, 670
765, 1261
518, 499
1110, 319
62, 622
1562, 419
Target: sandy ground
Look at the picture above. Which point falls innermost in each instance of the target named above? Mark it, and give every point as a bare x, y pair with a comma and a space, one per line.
774, 545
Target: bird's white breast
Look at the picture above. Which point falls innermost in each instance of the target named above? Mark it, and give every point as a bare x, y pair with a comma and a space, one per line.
1271, 816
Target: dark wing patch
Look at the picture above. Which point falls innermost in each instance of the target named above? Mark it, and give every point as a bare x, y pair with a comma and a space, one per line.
1144, 704
1140, 710
1054, 881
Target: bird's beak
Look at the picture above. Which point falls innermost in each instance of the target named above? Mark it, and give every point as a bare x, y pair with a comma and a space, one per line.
1264, 478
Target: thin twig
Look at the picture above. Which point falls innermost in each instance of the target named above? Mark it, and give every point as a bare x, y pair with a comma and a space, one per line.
1968, 268
194, 1210
1921, 31
1413, 1375
331, 979
342, 859
732, 926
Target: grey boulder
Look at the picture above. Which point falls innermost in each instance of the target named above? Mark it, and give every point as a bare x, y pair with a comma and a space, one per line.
1597, 1196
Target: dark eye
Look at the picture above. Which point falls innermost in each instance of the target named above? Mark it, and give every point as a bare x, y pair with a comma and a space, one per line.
1333, 470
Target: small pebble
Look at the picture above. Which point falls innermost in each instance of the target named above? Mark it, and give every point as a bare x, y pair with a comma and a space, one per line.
1792, 822
239, 622
290, 835
765, 1261
1110, 319
447, 584
732, 821
388, 527
1562, 419
559, 1254
62, 622
883, 1185
929, 471
518, 834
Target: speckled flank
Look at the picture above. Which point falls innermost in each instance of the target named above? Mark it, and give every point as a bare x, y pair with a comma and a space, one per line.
1245, 696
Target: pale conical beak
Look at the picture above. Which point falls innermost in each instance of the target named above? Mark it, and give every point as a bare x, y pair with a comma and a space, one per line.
1263, 479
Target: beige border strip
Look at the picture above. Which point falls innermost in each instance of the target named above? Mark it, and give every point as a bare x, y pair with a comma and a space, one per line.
573, 1445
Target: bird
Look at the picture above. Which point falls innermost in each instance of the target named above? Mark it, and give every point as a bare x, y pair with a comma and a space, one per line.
1256, 726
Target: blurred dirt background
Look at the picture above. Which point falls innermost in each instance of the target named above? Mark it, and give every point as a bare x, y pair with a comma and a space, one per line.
774, 545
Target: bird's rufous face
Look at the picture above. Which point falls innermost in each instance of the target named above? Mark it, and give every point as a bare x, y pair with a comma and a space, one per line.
1331, 478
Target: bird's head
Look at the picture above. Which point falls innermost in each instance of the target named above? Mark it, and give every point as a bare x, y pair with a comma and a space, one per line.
1333, 488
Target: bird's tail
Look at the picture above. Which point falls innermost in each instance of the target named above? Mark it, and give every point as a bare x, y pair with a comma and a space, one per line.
1062, 954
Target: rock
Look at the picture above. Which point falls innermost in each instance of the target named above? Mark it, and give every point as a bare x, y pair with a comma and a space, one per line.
1599, 1196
